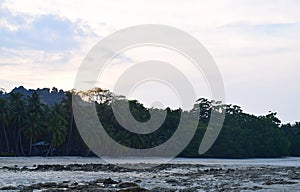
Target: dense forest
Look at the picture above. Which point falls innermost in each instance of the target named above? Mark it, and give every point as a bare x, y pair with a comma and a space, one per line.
30, 126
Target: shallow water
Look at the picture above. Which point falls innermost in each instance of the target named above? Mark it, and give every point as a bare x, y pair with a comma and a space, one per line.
30, 161
149, 180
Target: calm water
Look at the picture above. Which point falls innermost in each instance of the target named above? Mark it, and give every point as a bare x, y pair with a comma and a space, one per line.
30, 161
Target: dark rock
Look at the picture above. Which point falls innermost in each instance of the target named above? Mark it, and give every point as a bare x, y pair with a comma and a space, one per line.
256, 188
172, 181
128, 185
48, 185
279, 182
25, 168
135, 189
8, 188
160, 189
109, 181
11, 168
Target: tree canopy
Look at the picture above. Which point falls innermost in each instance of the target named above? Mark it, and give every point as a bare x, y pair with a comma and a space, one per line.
30, 127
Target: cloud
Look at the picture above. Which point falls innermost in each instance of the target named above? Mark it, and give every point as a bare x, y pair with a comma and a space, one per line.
42, 49
7, 64
43, 32
255, 43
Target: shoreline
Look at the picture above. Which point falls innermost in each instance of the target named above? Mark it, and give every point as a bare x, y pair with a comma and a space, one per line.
88, 176
26, 161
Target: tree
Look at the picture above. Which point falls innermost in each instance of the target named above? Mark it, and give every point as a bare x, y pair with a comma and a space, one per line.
4, 121
17, 109
67, 102
57, 128
25, 120
33, 128
292, 132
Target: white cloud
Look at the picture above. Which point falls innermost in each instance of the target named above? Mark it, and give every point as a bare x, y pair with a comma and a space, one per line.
255, 43
41, 50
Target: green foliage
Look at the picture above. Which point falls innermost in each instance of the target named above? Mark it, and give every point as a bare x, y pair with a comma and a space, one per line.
25, 121
293, 134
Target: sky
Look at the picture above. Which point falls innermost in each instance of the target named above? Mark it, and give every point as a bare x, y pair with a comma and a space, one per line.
255, 44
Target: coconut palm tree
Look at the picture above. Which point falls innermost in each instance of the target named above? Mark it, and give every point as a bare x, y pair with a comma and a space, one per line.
34, 104
57, 127
4, 121
33, 124
17, 109
33, 129
67, 102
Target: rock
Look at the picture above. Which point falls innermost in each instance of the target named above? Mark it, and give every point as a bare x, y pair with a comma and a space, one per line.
171, 181
48, 185
256, 188
11, 168
128, 185
8, 188
138, 181
160, 189
135, 189
109, 181
279, 182
294, 176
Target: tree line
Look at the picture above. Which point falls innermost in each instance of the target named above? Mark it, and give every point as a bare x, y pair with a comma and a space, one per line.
29, 127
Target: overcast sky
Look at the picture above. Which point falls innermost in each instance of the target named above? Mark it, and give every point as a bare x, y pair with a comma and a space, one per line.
256, 44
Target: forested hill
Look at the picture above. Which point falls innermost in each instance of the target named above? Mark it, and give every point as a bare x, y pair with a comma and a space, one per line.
47, 96
41, 122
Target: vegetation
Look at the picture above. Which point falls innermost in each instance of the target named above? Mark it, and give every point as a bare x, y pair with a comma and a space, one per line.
30, 127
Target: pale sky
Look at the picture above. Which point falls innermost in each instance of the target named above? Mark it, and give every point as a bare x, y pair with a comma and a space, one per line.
256, 44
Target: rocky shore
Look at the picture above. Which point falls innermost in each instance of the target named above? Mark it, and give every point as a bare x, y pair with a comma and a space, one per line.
161, 178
